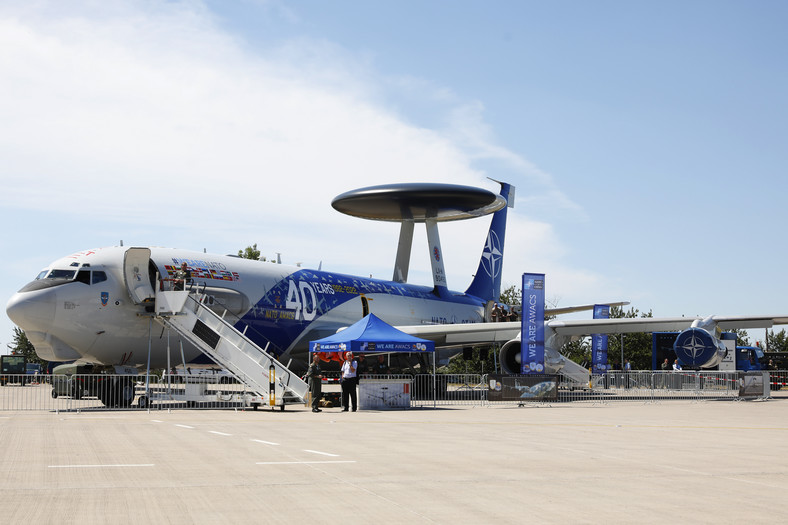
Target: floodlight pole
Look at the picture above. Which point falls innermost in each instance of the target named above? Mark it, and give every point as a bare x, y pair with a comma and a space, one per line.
434, 383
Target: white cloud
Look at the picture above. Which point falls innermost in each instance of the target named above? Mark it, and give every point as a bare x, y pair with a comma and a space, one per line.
148, 115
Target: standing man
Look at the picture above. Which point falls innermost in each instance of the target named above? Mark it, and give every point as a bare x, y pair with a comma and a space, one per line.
348, 380
381, 368
361, 368
315, 379
182, 276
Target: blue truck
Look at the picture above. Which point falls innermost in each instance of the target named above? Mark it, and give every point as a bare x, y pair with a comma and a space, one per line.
746, 358
13, 369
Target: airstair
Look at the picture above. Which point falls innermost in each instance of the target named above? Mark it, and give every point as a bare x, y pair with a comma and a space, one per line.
184, 312
567, 368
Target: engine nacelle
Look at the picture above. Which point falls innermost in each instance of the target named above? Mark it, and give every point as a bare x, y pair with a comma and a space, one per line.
510, 357
697, 348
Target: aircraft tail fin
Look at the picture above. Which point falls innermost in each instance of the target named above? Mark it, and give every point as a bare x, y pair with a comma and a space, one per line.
487, 281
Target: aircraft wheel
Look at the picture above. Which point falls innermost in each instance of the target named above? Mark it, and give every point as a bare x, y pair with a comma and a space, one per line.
125, 392
76, 392
106, 393
143, 402
54, 394
107, 399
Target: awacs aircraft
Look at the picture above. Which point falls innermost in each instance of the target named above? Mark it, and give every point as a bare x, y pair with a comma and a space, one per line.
94, 306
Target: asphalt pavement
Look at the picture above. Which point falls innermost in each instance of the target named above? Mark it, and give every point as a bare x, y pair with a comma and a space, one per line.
702, 462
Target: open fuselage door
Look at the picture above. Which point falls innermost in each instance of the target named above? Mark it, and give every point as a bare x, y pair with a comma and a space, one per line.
135, 274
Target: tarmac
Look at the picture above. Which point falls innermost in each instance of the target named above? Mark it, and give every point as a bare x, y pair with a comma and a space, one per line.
676, 461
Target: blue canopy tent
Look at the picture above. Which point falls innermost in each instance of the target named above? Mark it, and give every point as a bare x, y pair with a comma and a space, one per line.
370, 334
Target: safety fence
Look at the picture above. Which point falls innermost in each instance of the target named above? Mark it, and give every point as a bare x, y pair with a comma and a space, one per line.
778, 379
448, 389
635, 386
83, 392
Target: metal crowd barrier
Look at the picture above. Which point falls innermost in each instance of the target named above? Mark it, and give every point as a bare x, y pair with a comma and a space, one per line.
83, 392
448, 389
778, 379
646, 387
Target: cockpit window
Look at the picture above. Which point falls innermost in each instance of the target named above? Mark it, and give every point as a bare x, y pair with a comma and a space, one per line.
41, 274
99, 277
57, 277
66, 275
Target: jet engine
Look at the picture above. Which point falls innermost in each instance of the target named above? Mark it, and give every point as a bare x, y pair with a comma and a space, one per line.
696, 348
510, 357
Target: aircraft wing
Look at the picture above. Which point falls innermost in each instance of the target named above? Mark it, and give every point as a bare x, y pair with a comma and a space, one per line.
446, 335
579, 308
659, 324
457, 335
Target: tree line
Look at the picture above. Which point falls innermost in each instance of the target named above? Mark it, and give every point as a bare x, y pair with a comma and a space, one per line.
637, 346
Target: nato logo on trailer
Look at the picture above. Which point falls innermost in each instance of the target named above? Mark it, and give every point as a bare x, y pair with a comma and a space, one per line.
694, 345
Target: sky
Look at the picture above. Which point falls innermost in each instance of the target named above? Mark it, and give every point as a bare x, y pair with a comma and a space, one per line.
646, 140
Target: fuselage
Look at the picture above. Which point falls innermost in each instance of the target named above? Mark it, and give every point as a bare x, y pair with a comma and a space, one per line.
80, 307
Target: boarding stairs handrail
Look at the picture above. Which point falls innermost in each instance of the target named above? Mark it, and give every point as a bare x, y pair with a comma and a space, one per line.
567, 368
223, 343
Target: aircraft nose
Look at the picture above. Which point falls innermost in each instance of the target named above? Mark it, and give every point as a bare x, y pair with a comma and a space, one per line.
31, 310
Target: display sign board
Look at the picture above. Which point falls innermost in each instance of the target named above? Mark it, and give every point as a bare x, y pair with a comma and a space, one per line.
532, 329
522, 388
378, 394
754, 384
599, 342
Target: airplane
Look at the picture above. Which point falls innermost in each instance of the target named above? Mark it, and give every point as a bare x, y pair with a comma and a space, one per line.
94, 306
90, 306
543, 389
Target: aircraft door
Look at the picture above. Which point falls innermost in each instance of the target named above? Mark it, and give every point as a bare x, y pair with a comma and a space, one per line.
135, 274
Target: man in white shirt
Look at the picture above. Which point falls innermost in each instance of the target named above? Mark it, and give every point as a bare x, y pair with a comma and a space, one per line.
349, 379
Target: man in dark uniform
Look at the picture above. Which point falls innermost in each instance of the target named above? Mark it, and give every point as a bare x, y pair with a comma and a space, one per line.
381, 368
315, 379
362, 366
182, 276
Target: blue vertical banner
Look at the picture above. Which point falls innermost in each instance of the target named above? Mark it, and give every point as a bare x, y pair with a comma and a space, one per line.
532, 335
599, 342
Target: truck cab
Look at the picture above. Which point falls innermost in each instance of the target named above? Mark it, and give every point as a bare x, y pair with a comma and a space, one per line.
13, 369
749, 358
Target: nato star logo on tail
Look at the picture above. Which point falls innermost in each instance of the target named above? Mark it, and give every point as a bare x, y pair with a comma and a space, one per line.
694, 346
492, 254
